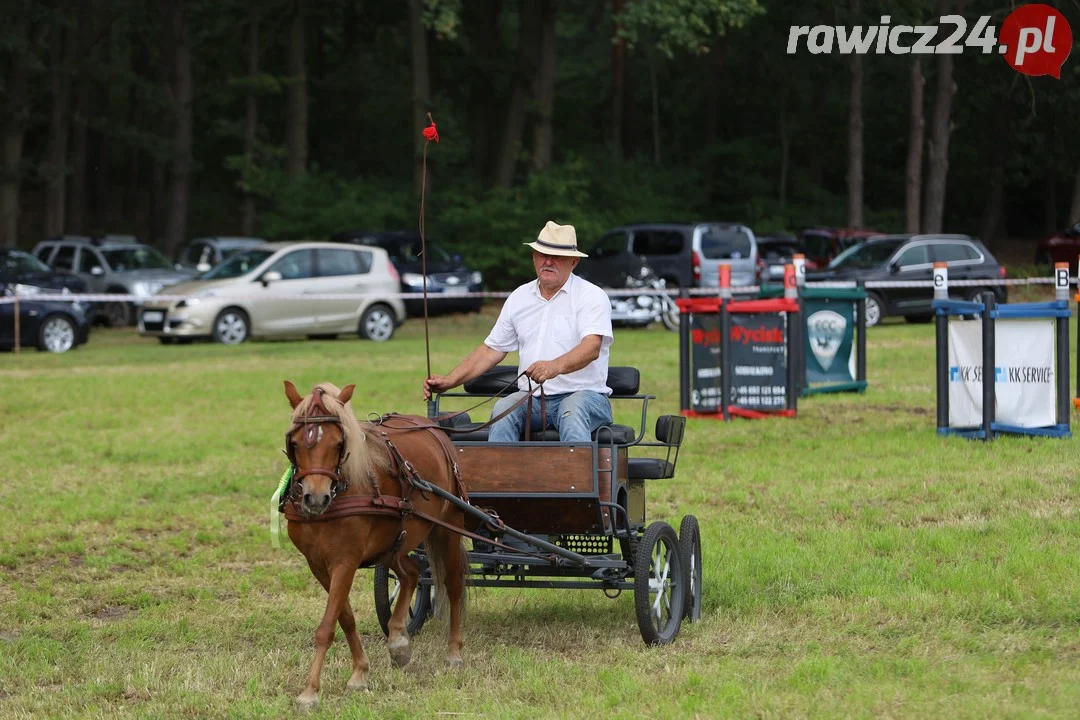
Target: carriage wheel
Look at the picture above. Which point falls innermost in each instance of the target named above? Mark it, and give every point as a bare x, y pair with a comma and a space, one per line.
659, 584
690, 544
386, 594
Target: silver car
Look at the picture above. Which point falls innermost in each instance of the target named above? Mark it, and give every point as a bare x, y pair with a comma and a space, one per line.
112, 264
283, 289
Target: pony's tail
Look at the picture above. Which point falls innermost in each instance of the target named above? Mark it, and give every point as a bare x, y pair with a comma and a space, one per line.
447, 553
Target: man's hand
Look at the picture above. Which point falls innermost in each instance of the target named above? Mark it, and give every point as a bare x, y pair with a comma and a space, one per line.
436, 384
543, 370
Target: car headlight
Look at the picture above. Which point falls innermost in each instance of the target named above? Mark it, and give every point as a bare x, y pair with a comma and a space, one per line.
142, 289
476, 278
414, 279
189, 302
21, 289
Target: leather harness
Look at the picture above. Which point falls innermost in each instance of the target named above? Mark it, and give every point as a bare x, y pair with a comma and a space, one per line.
409, 480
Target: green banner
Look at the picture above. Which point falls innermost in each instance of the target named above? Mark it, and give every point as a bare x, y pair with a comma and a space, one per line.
830, 334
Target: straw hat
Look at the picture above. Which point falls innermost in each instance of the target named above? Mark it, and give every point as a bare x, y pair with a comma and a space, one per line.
557, 240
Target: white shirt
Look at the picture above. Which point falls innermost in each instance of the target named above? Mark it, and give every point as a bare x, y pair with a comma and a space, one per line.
542, 329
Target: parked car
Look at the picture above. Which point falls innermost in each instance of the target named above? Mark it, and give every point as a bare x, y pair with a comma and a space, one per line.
112, 264
776, 251
822, 244
908, 258
1060, 247
203, 254
687, 254
18, 267
50, 326
448, 275
274, 290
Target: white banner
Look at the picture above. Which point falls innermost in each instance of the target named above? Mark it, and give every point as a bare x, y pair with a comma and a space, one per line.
1024, 384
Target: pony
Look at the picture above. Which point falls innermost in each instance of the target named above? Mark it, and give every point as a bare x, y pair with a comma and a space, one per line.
352, 503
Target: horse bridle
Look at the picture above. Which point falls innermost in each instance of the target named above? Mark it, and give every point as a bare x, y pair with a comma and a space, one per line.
317, 415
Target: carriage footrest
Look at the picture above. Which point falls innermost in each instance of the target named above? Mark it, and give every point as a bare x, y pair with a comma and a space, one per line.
649, 469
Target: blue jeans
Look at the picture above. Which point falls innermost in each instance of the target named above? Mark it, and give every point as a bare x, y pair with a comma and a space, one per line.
575, 415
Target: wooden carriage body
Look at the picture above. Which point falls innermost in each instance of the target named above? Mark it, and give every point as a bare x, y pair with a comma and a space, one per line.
541, 485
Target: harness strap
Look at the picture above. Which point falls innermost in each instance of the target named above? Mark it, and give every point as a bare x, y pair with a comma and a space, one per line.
348, 505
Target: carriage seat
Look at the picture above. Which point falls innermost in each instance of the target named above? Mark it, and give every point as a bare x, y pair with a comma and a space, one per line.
669, 432
619, 434
499, 381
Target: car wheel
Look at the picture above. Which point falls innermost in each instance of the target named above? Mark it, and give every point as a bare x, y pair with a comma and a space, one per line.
57, 334
231, 326
377, 323
117, 314
875, 309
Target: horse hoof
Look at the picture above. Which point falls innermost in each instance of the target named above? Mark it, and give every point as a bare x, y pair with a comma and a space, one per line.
357, 684
401, 653
454, 662
307, 704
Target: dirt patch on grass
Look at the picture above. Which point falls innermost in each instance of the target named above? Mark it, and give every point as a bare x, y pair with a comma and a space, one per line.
112, 613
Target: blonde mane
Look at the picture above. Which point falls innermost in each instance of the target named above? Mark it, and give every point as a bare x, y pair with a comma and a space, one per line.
366, 452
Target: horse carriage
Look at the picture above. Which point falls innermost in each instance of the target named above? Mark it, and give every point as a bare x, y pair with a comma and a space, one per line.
405, 494
569, 516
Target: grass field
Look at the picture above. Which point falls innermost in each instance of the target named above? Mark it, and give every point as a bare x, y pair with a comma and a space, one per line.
855, 564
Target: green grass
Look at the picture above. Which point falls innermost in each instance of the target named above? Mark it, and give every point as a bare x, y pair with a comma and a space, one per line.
855, 564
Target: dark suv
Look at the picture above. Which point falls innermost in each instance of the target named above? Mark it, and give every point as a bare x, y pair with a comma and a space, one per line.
448, 276
912, 257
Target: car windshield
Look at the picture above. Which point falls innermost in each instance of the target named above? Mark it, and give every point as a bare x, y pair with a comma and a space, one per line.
237, 265
721, 243
17, 262
864, 255
407, 252
140, 257
777, 251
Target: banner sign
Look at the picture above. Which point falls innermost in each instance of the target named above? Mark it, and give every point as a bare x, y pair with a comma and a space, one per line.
1024, 384
830, 337
705, 362
758, 361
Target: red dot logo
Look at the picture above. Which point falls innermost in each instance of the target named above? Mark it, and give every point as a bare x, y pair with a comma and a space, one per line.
1035, 40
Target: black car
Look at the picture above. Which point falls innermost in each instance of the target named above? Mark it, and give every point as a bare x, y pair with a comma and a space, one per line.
47, 325
21, 268
910, 258
774, 252
448, 276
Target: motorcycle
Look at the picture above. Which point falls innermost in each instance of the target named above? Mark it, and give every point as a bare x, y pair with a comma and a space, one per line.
646, 308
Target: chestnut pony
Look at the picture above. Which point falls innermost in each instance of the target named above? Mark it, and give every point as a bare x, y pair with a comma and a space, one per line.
351, 505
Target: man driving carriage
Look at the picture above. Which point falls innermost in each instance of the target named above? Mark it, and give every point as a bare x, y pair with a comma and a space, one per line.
560, 324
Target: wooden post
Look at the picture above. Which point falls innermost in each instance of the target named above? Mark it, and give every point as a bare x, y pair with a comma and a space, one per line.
17, 329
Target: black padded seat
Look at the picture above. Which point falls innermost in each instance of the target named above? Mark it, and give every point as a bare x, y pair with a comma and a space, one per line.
623, 381
649, 469
623, 434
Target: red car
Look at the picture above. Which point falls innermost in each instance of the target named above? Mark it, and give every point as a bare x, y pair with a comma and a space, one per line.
1062, 247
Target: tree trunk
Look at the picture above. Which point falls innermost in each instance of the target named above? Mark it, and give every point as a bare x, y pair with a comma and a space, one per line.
543, 142
16, 112
528, 45
654, 92
77, 210
855, 141
296, 128
785, 156
940, 129
482, 21
916, 132
251, 122
173, 13
421, 86
1050, 215
1074, 207
618, 80
157, 202
999, 153
62, 56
